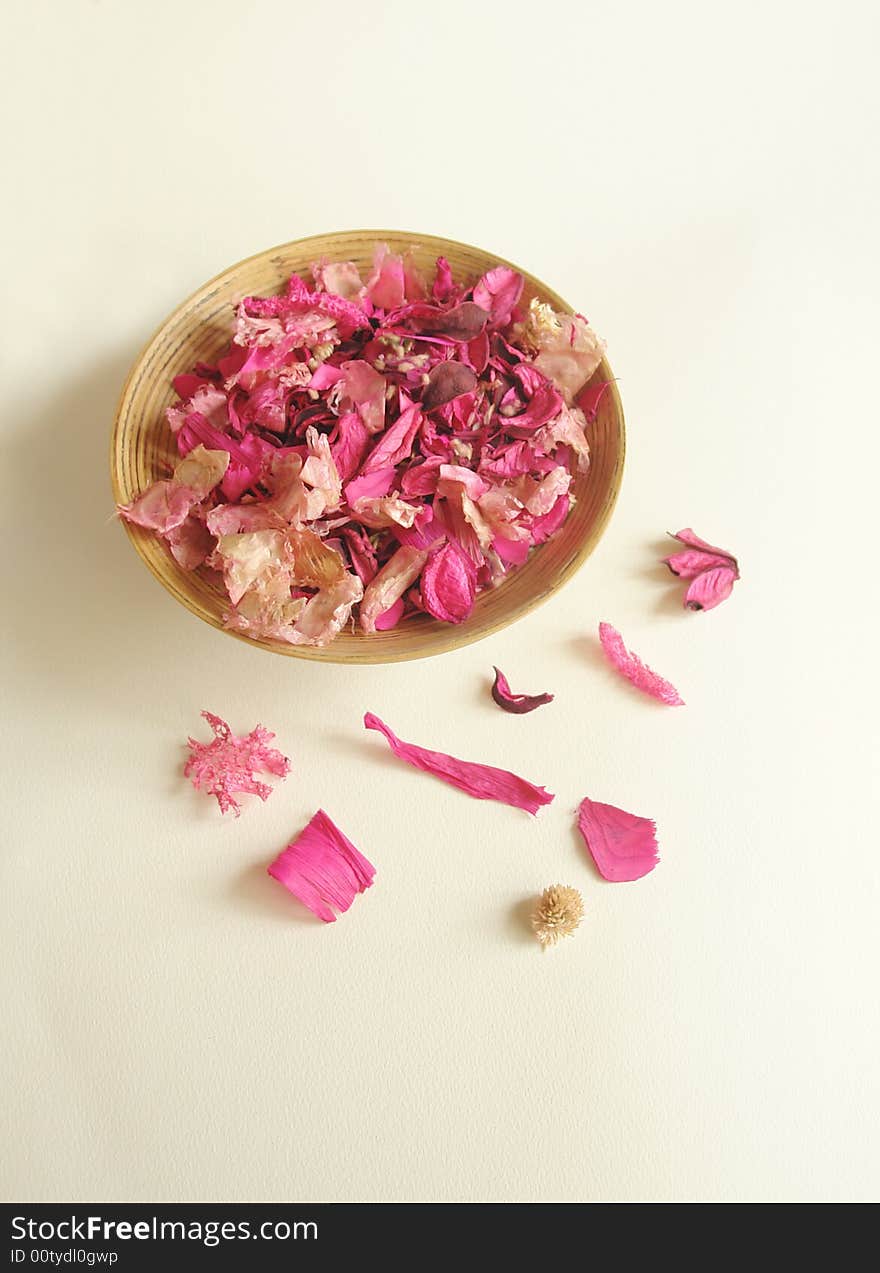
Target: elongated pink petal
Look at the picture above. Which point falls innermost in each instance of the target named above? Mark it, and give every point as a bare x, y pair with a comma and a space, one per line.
518, 704
623, 846
483, 782
632, 667
226, 766
449, 583
323, 868
710, 588
399, 572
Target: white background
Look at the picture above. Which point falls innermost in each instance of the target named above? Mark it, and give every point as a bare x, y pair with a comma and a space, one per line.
702, 182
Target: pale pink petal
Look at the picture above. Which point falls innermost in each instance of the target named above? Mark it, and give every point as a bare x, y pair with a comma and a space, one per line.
399, 572
361, 388
323, 869
226, 766
191, 542
483, 782
569, 355
247, 557
390, 510
327, 613
710, 588
498, 292
162, 507
201, 470
387, 284
518, 704
692, 562
449, 584
623, 846
687, 536
339, 277
635, 671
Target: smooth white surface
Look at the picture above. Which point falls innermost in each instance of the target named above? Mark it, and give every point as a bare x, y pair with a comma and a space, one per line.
702, 182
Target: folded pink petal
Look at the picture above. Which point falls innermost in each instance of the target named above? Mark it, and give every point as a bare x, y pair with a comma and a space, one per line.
389, 585
226, 766
635, 671
518, 704
498, 292
623, 846
710, 588
483, 782
713, 571
323, 869
449, 583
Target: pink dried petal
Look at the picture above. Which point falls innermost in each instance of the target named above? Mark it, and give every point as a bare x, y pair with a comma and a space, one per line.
569, 354
361, 388
389, 510
446, 381
226, 765
710, 588
162, 507
191, 542
339, 277
396, 443
483, 782
590, 396
387, 284
519, 704
444, 288
498, 292
392, 581
713, 570
349, 443
543, 527
327, 613
623, 846
632, 667
449, 584
462, 323
323, 869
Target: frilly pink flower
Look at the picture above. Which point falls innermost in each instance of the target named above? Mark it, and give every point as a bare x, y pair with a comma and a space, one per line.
225, 767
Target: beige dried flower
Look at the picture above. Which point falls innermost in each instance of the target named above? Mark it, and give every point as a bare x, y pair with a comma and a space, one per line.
559, 911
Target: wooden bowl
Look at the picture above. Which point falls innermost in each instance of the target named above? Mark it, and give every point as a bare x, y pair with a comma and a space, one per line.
142, 449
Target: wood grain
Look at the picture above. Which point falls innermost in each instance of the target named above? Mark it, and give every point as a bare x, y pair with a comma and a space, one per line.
142, 449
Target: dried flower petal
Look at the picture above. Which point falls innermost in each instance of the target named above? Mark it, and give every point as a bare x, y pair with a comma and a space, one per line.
483, 782
712, 570
518, 704
226, 766
498, 292
558, 913
449, 583
632, 667
389, 585
323, 869
446, 381
623, 846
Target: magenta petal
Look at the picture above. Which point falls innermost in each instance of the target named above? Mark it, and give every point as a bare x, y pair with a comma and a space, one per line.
323, 868
498, 292
449, 583
483, 782
635, 671
710, 588
689, 537
519, 704
692, 562
623, 846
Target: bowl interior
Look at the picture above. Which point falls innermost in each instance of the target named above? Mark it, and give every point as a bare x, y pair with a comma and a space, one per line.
143, 451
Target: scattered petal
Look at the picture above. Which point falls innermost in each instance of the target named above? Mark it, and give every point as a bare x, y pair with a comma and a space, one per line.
635, 671
323, 869
226, 766
712, 570
623, 846
518, 704
483, 782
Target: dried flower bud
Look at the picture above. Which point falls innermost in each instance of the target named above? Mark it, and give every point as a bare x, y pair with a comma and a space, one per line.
559, 911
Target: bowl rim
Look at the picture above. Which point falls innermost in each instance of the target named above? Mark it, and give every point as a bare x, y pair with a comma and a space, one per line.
457, 639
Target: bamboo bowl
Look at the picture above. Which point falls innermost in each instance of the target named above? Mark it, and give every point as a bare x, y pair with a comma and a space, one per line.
142, 450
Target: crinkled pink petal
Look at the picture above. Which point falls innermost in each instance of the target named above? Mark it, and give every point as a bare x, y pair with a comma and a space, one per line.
483, 782
498, 292
399, 572
389, 510
635, 671
241, 475
340, 277
543, 527
323, 869
387, 284
226, 766
444, 288
713, 571
422, 479
161, 507
349, 444
449, 584
518, 704
425, 531
208, 401
362, 388
623, 846
569, 354
371, 485
396, 443
569, 428
191, 542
